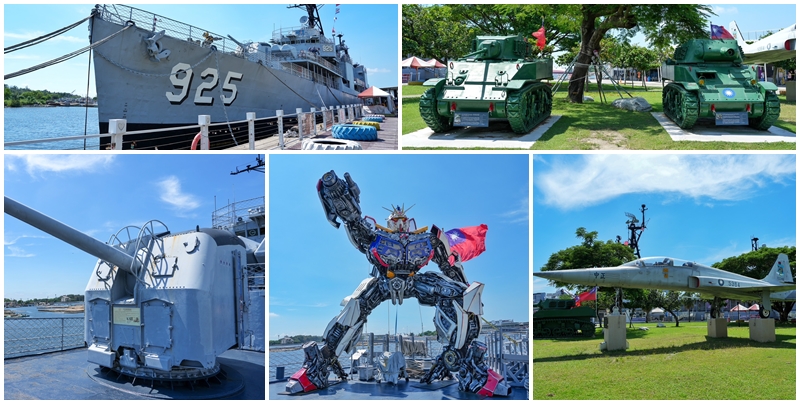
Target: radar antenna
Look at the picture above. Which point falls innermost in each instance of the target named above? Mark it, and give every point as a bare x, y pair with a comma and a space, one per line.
754, 243
258, 166
635, 231
313, 15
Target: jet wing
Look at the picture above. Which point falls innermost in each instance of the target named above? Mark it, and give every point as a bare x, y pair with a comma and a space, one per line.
715, 283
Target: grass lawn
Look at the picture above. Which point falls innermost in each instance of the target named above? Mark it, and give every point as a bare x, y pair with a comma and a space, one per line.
672, 363
594, 125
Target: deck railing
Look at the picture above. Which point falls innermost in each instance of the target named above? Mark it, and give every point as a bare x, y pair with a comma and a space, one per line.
301, 123
28, 336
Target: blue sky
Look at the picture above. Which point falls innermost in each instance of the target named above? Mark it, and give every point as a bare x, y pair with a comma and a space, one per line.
313, 266
372, 44
100, 194
701, 208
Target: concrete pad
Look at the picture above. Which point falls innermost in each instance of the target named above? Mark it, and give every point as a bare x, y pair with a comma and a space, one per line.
497, 135
762, 329
717, 328
707, 131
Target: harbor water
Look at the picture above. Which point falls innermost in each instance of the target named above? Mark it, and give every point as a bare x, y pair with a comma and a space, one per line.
27, 123
41, 332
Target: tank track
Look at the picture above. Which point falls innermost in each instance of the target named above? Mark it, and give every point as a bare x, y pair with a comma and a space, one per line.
680, 105
427, 109
772, 111
528, 107
553, 328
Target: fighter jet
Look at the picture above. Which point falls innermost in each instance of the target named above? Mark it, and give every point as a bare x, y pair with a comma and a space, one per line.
773, 48
671, 274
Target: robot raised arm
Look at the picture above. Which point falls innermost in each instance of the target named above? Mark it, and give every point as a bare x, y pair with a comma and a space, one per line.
340, 199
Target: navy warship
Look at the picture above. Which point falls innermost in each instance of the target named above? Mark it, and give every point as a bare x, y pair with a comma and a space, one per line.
157, 72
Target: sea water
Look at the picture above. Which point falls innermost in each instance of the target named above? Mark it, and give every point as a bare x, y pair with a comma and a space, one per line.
41, 332
28, 123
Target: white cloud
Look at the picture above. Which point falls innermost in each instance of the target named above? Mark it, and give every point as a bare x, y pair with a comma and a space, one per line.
172, 194
722, 10
518, 214
14, 241
17, 252
595, 179
43, 163
30, 35
378, 70
273, 315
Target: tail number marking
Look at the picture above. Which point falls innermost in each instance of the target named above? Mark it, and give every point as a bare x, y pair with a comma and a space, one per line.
181, 78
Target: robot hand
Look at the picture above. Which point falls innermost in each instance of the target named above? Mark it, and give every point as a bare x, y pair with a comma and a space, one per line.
339, 197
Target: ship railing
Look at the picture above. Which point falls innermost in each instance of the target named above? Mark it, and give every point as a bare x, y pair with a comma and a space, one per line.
299, 35
282, 131
286, 359
507, 354
30, 336
301, 71
228, 216
120, 14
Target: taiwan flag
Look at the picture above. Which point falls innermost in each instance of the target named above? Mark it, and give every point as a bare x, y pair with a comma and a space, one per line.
719, 32
586, 296
468, 242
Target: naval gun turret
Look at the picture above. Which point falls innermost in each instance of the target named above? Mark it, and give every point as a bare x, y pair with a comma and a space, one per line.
496, 80
159, 305
709, 80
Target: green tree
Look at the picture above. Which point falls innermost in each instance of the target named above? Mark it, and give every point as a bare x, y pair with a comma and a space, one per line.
429, 33
660, 23
590, 253
757, 264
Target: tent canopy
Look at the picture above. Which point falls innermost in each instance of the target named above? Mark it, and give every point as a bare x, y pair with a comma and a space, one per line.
415, 62
739, 307
435, 63
373, 92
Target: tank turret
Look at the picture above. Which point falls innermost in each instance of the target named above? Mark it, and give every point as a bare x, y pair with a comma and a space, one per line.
560, 318
496, 80
710, 81
159, 305
708, 50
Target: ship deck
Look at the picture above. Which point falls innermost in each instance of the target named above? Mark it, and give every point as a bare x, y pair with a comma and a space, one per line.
64, 375
411, 390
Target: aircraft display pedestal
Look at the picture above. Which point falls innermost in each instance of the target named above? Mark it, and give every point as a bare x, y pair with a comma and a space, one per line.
614, 333
717, 328
762, 329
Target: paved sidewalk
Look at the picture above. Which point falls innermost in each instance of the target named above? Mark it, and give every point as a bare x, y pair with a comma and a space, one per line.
707, 131
497, 135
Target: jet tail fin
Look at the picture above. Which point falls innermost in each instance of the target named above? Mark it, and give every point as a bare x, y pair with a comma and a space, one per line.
734, 29
781, 272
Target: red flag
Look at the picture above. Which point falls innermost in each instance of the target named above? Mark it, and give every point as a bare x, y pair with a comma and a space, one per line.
540, 39
468, 242
586, 296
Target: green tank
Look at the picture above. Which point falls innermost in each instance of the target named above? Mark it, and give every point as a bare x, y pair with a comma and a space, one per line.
709, 80
559, 318
494, 81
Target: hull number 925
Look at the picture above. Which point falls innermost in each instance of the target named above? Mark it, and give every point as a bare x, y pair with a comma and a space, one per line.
181, 78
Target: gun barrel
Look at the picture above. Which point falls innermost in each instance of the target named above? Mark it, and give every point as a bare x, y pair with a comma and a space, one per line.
70, 236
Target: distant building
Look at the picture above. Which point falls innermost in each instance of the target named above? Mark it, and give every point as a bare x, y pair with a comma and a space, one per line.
286, 340
64, 299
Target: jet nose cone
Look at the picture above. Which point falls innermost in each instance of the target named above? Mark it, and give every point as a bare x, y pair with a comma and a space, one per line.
550, 275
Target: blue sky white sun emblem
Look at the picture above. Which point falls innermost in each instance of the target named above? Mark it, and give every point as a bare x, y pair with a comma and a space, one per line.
728, 93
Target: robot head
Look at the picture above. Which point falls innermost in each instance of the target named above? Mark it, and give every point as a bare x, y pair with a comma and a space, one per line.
398, 221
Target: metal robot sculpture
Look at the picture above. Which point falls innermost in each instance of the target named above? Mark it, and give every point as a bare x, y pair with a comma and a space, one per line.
397, 252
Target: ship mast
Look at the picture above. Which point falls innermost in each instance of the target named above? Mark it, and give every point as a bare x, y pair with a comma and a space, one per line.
313, 15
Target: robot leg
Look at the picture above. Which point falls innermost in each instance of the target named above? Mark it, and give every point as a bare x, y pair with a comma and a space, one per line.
457, 325
341, 335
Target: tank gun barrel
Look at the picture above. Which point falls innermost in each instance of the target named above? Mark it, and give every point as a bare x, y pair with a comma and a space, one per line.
70, 236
